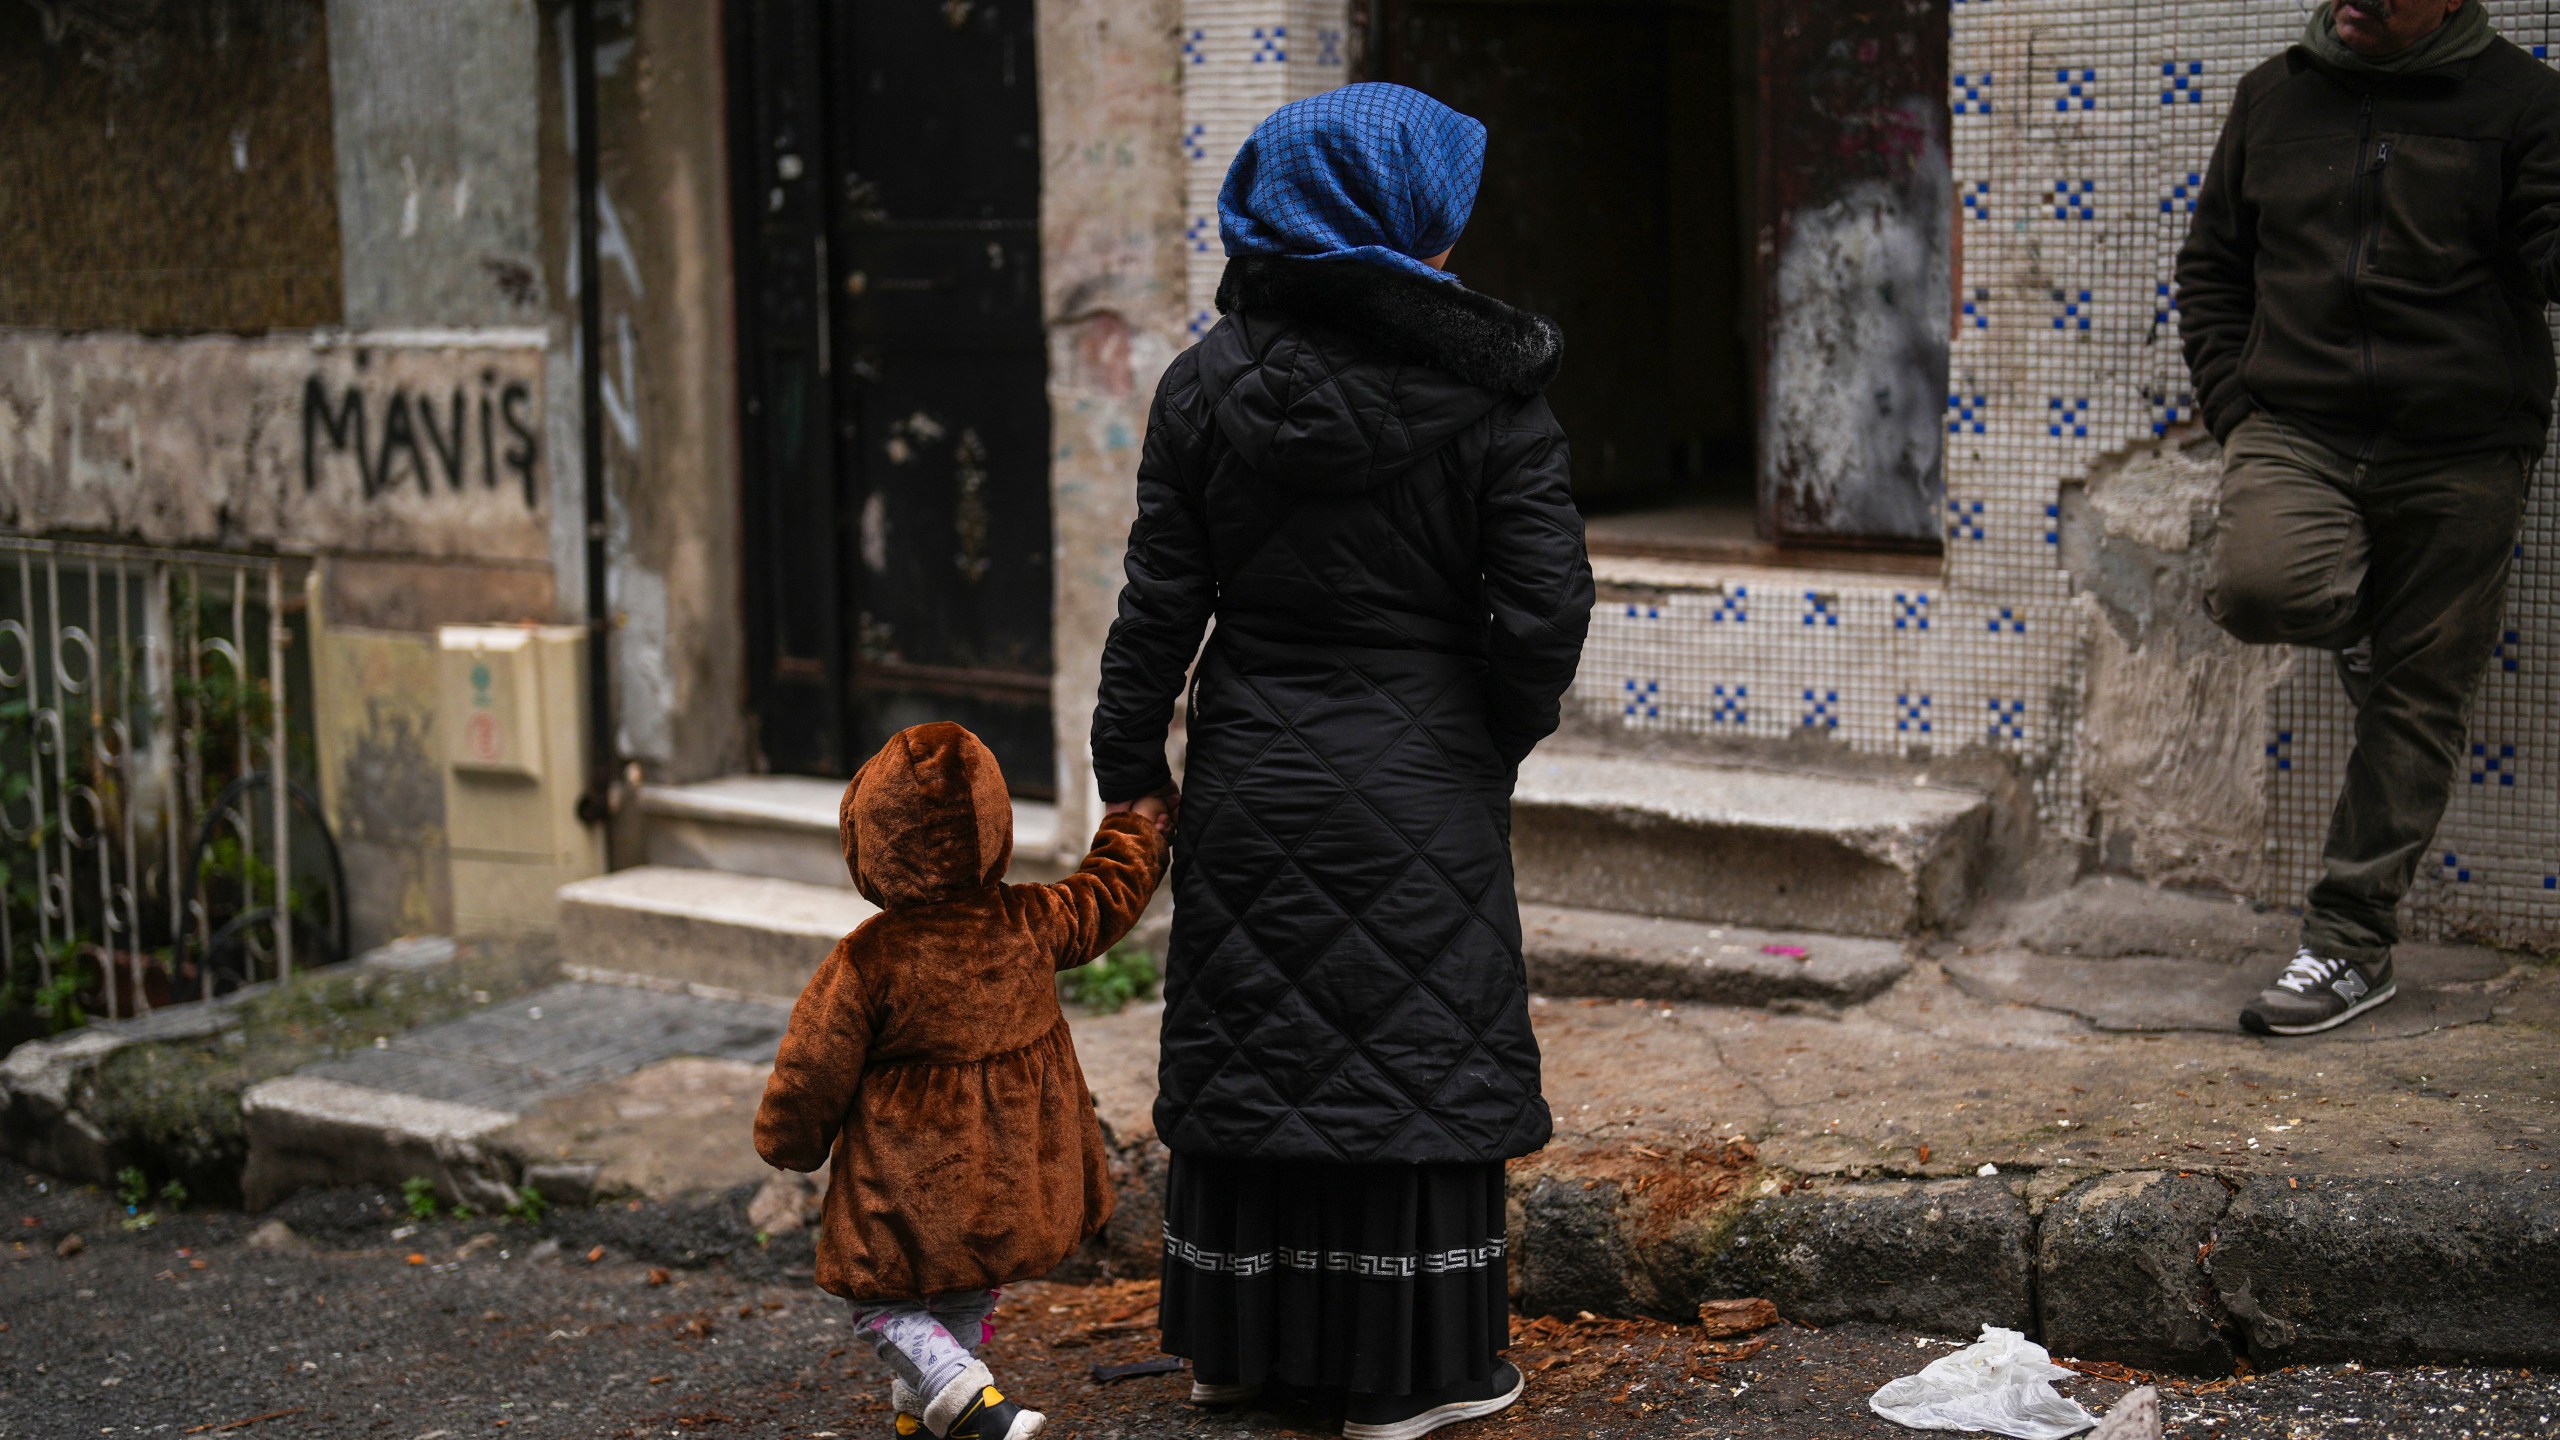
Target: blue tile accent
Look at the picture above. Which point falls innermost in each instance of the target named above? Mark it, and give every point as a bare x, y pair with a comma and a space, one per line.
1821, 709
1910, 610
2075, 200
2079, 90
1733, 605
1637, 611
1271, 47
1977, 200
1729, 705
1328, 46
2181, 83
1977, 309
2076, 310
1818, 612
1968, 92
2509, 649
2280, 750
2455, 870
2053, 524
2171, 410
1966, 411
2493, 767
2164, 303
1195, 48
1643, 699
1911, 713
2006, 623
1964, 519
2008, 719
2067, 418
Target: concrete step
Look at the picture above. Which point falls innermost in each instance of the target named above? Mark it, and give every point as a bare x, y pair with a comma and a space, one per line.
784, 827
747, 933
1695, 840
1603, 952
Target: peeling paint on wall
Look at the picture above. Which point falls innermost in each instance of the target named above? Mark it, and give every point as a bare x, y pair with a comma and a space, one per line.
2174, 734
1857, 369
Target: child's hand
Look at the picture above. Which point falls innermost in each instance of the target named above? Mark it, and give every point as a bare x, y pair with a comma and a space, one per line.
1152, 808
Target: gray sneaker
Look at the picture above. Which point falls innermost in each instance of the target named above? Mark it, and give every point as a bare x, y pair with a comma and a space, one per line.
2317, 992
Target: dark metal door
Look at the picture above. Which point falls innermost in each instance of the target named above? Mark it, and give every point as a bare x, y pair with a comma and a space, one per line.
1855, 211
793, 512
933, 368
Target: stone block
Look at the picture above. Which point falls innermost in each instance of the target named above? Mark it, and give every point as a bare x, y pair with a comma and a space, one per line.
2120, 1271
1942, 1256
1849, 856
2448, 1268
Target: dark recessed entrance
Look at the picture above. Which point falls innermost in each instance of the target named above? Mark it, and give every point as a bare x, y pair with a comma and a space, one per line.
893, 376
1659, 178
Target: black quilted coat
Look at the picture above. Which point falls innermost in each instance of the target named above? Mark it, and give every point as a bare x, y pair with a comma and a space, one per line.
1354, 474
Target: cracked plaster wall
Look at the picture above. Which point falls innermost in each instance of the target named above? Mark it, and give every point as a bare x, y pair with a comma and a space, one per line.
1112, 267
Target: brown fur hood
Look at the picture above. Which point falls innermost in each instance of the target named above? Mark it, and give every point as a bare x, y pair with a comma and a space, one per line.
926, 819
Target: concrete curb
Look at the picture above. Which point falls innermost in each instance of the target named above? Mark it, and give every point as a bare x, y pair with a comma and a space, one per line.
2181, 1272
307, 1131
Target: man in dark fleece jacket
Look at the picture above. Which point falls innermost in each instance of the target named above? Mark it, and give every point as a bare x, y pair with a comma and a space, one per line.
2361, 299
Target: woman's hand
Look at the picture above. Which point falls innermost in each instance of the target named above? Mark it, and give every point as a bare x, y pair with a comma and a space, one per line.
1163, 807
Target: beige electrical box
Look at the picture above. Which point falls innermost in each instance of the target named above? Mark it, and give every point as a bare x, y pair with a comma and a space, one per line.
512, 705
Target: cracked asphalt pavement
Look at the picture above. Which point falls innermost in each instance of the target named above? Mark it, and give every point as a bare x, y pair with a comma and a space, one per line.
362, 1322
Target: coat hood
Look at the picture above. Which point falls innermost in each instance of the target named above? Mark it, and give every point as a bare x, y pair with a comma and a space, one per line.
926, 819
1337, 375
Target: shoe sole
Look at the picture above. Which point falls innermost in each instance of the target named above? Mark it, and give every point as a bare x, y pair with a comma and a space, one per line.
1221, 1397
2250, 1021
1438, 1416
1025, 1425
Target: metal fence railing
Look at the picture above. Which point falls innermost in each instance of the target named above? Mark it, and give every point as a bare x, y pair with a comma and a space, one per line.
156, 842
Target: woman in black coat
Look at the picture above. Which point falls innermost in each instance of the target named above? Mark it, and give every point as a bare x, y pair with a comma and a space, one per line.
1355, 476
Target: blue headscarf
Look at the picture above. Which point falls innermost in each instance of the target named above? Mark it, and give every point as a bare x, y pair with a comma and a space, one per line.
1377, 173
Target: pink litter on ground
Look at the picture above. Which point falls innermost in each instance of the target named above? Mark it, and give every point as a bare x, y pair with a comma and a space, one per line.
1792, 952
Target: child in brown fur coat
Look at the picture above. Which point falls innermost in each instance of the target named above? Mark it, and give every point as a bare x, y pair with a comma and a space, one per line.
929, 1058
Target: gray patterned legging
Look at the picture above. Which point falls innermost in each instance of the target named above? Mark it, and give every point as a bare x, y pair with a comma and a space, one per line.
929, 1344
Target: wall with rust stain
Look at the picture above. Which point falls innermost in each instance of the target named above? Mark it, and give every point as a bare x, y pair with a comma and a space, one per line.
1112, 264
167, 167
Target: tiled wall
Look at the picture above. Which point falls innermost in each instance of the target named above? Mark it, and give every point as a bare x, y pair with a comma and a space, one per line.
1241, 60
2080, 134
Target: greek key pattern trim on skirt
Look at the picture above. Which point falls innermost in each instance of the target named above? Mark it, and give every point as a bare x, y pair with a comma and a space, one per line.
1384, 1267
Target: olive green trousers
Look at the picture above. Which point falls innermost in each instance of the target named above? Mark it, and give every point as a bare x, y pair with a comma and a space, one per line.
2323, 550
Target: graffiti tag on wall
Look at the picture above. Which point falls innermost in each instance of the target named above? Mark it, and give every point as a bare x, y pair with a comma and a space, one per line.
460, 429
429, 446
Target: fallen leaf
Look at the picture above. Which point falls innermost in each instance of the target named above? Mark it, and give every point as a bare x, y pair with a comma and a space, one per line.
417, 1259
595, 1255
658, 1275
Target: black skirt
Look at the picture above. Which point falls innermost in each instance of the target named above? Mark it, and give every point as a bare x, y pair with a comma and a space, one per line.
1377, 1279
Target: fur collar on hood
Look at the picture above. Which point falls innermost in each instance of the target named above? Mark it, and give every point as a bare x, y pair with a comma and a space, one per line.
926, 819
1433, 322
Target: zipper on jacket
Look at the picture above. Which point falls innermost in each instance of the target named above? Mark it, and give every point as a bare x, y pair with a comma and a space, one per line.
2355, 267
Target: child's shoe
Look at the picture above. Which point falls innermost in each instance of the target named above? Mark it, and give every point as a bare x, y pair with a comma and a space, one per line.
971, 1408
909, 1407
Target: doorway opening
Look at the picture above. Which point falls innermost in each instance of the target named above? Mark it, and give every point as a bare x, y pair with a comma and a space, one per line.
893, 377
1649, 169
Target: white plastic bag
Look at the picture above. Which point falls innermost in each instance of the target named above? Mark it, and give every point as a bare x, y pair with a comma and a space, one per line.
2002, 1383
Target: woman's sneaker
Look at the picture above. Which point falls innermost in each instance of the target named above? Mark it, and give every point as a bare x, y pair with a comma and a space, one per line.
2317, 992
1406, 1417
1223, 1397
972, 1408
